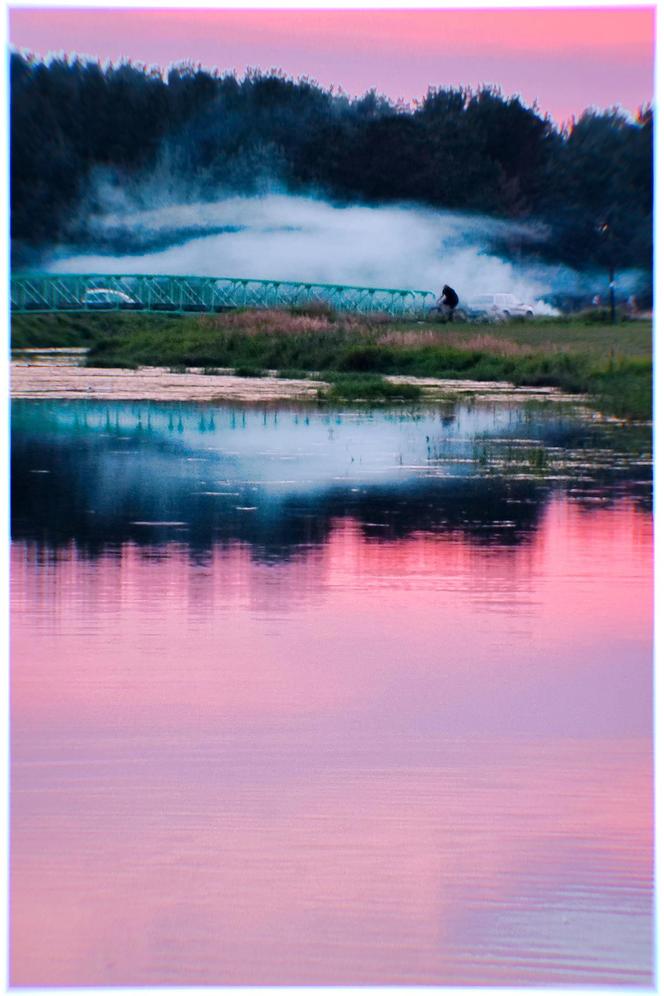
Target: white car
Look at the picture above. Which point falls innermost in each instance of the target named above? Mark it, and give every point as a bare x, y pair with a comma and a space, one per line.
499, 306
107, 297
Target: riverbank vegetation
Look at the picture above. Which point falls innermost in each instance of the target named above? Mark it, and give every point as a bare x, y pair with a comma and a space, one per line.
613, 363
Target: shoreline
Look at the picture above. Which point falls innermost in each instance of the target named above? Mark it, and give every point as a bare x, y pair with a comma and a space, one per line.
260, 357
43, 374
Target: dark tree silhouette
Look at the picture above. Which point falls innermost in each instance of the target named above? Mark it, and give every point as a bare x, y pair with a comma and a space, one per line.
206, 133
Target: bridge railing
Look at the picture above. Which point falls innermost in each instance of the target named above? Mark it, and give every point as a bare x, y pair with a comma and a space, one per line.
43, 292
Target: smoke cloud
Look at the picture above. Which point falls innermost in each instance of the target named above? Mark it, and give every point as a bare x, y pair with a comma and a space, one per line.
286, 237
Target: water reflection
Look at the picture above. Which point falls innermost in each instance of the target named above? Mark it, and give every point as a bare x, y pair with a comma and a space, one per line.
277, 479
388, 724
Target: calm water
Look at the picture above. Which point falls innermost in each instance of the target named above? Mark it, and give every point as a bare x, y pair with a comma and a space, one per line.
329, 698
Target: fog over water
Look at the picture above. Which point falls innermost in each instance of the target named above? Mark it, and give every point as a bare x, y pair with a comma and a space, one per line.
284, 237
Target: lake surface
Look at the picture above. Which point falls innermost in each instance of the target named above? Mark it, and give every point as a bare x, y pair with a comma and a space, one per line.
313, 697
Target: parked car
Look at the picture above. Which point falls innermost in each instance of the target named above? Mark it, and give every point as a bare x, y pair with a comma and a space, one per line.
107, 297
499, 306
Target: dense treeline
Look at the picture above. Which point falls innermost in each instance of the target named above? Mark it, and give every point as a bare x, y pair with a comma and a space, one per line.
73, 122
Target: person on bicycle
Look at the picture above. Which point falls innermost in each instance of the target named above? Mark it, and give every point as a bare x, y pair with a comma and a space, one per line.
447, 302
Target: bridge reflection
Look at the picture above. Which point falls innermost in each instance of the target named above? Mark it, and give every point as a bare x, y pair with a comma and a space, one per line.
100, 475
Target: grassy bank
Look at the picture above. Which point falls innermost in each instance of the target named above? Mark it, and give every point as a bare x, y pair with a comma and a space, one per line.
611, 362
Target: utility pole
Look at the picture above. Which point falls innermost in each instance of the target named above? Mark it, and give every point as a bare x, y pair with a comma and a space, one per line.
607, 237
612, 291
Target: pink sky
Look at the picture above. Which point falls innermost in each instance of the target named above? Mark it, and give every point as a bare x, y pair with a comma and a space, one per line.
564, 59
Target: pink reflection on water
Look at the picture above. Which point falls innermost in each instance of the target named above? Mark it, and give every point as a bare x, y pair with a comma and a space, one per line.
406, 762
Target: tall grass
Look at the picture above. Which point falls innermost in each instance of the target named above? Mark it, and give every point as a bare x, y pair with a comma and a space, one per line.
368, 387
613, 363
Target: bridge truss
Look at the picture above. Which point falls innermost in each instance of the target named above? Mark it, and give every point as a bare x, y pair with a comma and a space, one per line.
45, 292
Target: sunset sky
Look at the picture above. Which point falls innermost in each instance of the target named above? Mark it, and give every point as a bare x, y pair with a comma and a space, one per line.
563, 59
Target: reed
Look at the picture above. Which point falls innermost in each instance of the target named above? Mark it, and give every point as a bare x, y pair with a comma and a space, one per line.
611, 362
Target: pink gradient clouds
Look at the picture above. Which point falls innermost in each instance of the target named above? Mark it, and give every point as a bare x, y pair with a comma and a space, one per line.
563, 59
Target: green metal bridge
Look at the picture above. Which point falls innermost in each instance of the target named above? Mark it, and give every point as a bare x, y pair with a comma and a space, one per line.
46, 292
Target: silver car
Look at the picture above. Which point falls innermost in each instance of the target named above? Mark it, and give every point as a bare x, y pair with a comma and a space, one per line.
499, 306
107, 297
